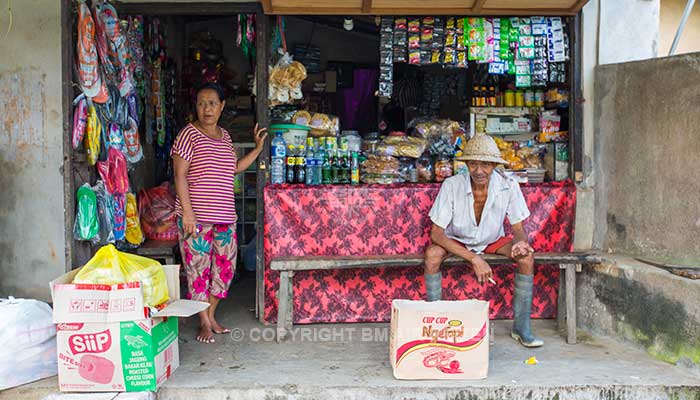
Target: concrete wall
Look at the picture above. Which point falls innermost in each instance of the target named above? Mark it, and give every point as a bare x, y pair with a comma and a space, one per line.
647, 145
644, 306
670, 17
32, 238
612, 31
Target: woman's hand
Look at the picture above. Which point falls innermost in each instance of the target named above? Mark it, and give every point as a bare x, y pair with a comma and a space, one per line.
259, 135
189, 223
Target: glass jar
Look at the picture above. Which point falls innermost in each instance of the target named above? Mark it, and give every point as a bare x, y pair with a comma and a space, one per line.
424, 169
443, 168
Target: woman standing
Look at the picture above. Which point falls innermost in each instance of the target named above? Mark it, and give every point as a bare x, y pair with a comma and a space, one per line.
205, 164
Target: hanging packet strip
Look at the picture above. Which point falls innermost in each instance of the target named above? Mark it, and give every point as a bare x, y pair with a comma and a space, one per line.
119, 204
555, 40
475, 39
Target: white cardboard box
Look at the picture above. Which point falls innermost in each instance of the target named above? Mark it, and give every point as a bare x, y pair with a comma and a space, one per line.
102, 349
440, 339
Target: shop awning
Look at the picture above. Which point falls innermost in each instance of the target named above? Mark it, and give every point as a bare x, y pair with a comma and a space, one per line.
423, 7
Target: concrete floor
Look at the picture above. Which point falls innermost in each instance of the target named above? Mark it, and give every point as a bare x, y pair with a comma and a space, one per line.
351, 361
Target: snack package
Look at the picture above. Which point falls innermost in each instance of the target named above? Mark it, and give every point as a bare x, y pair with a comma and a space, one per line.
285, 81
93, 132
110, 267
401, 146
86, 226
324, 125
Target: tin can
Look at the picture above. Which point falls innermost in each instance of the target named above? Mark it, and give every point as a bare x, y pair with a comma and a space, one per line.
529, 98
519, 98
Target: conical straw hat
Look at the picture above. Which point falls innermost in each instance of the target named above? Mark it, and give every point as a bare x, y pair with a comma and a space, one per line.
482, 147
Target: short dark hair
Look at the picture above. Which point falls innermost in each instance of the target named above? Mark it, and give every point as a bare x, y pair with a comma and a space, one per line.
215, 87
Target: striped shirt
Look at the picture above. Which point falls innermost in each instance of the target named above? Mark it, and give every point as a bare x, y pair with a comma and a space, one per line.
210, 176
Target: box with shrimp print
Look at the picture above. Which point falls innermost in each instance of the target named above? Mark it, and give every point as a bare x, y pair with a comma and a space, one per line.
440, 339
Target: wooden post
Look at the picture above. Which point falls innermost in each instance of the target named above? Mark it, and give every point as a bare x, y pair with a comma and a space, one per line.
285, 307
561, 303
571, 303
262, 28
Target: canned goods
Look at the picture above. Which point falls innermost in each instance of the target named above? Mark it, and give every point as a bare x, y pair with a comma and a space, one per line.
539, 98
509, 98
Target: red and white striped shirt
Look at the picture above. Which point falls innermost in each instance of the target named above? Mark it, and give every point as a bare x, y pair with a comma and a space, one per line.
210, 176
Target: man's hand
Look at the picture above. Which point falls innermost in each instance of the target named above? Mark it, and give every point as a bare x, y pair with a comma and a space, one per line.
482, 269
520, 250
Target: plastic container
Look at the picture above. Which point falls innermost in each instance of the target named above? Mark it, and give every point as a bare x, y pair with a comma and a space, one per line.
292, 134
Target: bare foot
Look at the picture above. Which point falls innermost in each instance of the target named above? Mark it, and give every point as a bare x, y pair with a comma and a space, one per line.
205, 334
218, 329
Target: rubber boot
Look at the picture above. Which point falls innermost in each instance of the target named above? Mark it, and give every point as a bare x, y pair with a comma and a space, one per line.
433, 286
522, 307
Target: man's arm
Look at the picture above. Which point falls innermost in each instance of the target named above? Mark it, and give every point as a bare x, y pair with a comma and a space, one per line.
481, 268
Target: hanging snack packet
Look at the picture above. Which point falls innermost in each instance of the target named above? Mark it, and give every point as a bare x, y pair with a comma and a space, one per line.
119, 216
414, 25
476, 39
134, 234
86, 226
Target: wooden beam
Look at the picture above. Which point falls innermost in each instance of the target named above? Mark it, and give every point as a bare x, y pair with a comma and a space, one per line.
267, 6
422, 11
366, 6
478, 5
578, 6
186, 8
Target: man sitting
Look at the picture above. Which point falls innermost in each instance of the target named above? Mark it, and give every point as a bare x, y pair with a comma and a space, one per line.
468, 216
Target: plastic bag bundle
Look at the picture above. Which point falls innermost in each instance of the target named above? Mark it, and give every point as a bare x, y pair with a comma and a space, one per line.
105, 213
86, 225
110, 266
134, 235
27, 342
157, 211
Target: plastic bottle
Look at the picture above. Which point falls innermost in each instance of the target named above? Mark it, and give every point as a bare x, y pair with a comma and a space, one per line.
326, 170
355, 169
278, 159
300, 170
310, 161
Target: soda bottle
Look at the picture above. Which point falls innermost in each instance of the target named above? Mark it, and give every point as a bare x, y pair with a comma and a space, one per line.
278, 159
335, 168
355, 169
300, 166
291, 163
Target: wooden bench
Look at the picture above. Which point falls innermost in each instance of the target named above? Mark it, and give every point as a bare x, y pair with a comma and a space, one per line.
570, 263
159, 250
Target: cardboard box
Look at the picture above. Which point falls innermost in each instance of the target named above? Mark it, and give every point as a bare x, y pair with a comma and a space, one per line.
102, 347
440, 339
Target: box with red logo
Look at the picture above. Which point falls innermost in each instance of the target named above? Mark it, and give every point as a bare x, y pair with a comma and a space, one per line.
104, 341
439, 339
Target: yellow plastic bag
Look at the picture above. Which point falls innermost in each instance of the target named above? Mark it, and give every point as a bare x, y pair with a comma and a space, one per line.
134, 235
110, 266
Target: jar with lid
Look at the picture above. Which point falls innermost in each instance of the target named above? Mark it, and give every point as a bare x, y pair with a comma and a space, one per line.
443, 168
407, 170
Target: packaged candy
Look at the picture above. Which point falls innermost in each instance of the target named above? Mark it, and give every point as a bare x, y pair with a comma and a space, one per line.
400, 24
414, 57
414, 41
414, 25
450, 23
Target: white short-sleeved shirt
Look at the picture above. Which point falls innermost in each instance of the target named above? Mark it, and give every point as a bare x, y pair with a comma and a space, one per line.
453, 210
